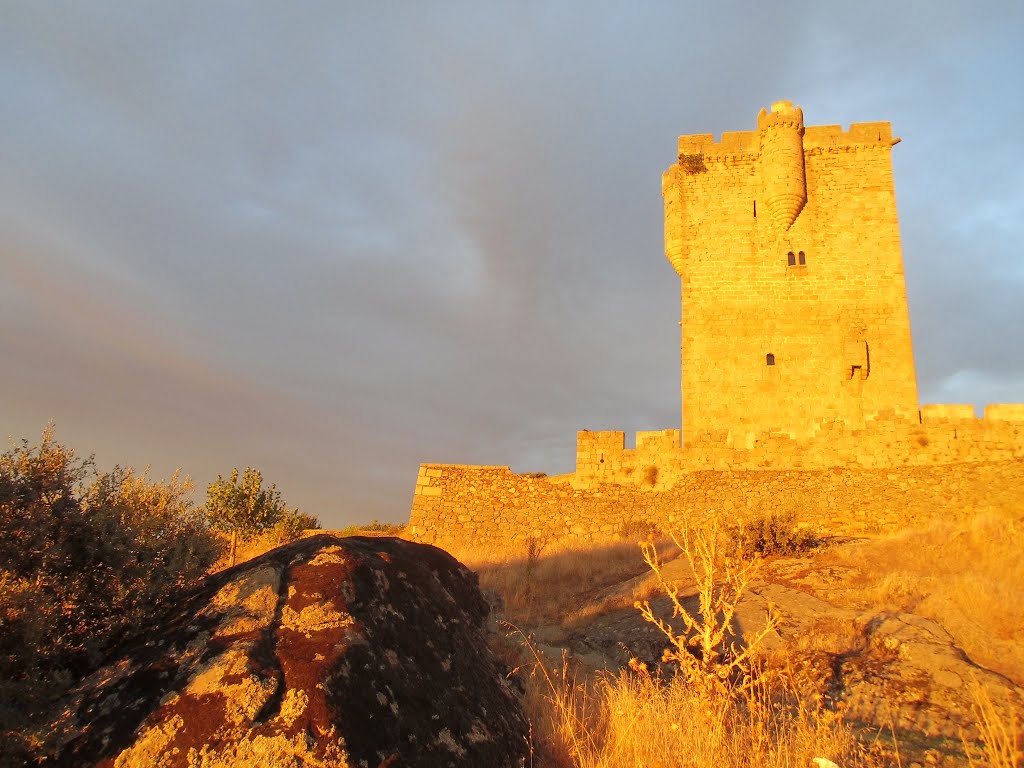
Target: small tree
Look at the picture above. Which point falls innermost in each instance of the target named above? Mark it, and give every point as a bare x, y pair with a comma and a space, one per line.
243, 508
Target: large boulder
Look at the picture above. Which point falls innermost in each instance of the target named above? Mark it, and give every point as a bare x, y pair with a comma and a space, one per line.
325, 652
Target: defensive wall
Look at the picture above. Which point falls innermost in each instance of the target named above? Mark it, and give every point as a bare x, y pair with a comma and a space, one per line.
890, 474
942, 434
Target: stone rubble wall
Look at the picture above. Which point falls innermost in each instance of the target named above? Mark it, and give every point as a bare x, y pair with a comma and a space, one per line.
458, 504
942, 434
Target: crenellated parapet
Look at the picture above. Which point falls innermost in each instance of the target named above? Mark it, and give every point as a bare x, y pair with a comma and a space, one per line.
935, 435
746, 144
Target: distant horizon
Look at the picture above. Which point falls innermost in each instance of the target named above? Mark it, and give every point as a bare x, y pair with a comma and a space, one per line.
332, 244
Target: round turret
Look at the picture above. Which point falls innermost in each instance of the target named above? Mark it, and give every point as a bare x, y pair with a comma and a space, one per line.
783, 183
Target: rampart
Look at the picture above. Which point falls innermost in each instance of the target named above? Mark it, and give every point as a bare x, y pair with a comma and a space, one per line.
942, 434
459, 504
892, 473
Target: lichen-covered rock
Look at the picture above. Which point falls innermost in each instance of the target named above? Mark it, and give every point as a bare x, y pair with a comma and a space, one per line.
326, 652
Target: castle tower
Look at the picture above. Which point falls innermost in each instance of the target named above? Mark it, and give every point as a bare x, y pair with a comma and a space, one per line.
794, 307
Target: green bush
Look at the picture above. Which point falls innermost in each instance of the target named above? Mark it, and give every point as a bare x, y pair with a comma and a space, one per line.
291, 524
86, 559
241, 507
774, 534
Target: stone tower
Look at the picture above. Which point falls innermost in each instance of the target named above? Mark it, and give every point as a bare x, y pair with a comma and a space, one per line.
794, 307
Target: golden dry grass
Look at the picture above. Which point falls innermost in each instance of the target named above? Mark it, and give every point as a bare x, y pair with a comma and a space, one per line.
723, 708
557, 583
636, 719
1002, 741
968, 576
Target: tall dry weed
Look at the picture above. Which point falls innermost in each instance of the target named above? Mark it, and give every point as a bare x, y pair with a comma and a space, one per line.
1001, 740
722, 708
705, 646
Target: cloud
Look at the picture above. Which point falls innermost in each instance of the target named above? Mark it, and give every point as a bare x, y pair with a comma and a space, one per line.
337, 241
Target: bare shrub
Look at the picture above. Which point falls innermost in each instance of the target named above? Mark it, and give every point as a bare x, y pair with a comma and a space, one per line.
722, 709
773, 534
705, 647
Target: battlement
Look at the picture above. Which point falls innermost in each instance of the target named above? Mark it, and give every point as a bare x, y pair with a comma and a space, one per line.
993, 413
816, 137
937, 434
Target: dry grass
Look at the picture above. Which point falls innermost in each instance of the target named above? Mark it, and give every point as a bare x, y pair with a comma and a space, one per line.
1002, 742
636, 719
723, 708
247, 549
967, 576
542, 583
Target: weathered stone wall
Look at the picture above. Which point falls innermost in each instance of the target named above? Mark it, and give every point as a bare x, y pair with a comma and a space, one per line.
460, 504
794, 306
942, 434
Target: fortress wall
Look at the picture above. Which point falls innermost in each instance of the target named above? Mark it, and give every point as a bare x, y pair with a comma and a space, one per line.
945, 434
815, 136
1004, 412
458, 504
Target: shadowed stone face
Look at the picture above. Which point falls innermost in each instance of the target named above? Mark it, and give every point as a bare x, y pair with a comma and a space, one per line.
329, 651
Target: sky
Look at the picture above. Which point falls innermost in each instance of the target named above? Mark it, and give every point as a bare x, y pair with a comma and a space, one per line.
335, 240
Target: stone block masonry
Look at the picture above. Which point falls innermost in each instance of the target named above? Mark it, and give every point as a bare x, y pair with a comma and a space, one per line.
794, 308
799, 392
496, 507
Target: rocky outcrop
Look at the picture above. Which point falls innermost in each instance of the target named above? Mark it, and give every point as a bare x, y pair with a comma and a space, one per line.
325, 652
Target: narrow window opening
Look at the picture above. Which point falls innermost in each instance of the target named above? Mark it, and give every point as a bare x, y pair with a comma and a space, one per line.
791, 259
803, 259
769, 359
755, 209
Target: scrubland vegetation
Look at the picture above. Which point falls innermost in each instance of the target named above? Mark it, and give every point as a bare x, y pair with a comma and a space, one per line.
88, 559
724, 707
968, 575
